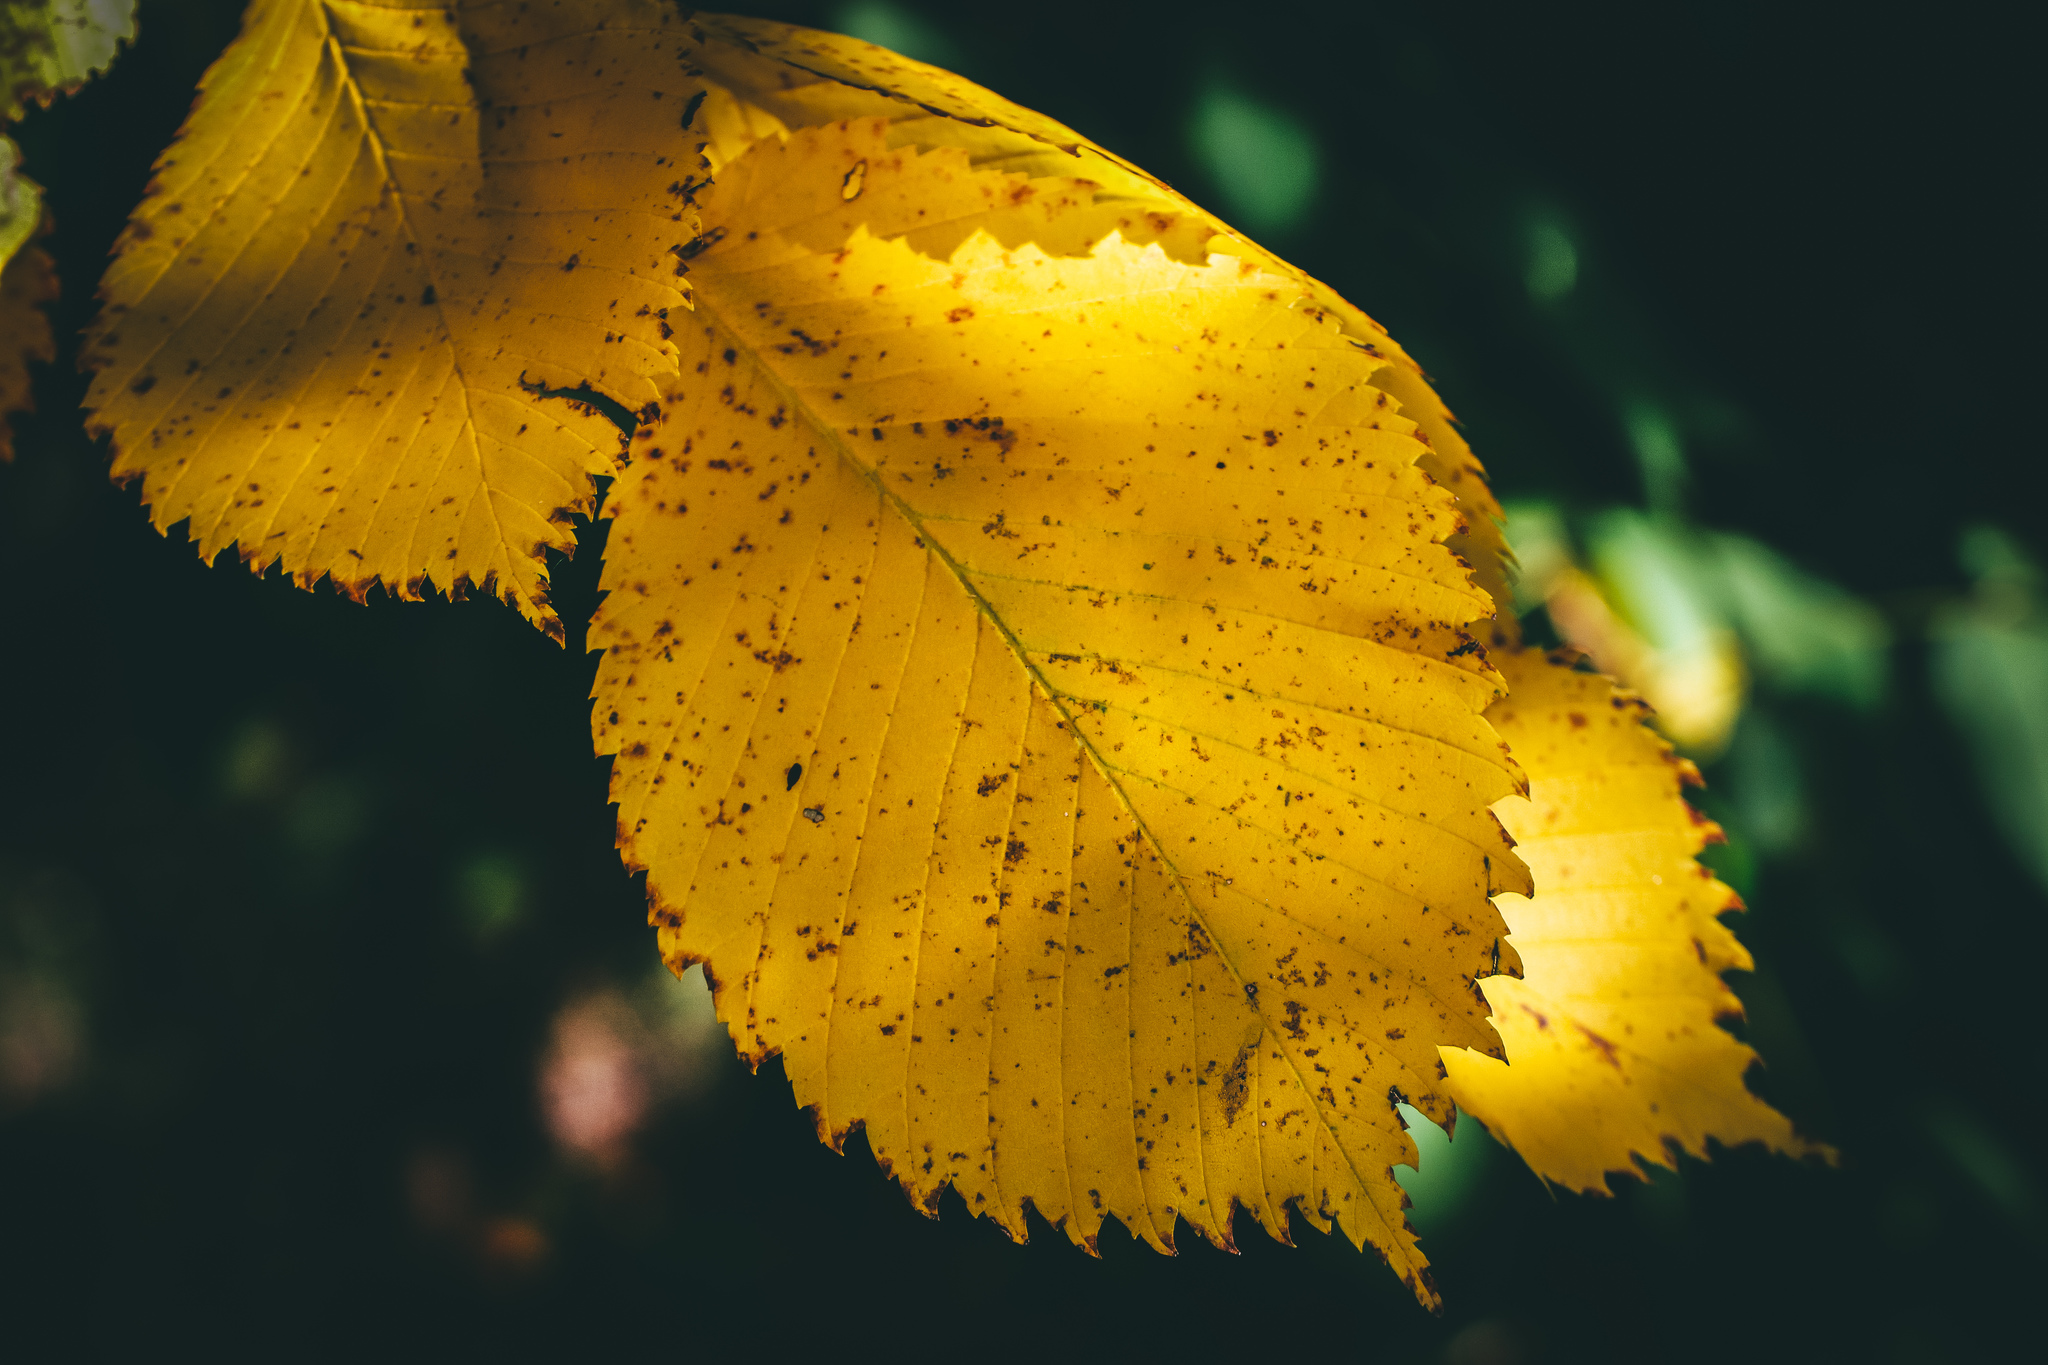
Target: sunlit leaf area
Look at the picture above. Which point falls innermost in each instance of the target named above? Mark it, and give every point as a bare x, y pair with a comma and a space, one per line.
332, 1027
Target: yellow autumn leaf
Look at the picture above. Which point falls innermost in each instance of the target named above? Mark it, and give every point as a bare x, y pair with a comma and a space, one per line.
846, 62
1038, 693
387, 228
1614, 1052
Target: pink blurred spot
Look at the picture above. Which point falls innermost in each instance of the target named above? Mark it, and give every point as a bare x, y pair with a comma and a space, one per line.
593, 1093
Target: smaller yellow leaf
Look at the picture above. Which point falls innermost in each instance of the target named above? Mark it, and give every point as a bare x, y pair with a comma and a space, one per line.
1613, 1050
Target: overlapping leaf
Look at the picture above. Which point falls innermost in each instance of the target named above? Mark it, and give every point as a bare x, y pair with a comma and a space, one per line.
1614, 1052
1039, 694
50, 46
388, 227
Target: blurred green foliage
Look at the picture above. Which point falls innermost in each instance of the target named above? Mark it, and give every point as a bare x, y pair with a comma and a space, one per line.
1553, 269
1991, 672
898, 28
1263, 160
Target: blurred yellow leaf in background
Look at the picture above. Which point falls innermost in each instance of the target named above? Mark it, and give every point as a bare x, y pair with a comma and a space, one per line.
1697, 685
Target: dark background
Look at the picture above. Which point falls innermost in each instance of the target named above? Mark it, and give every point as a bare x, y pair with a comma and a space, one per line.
235, 818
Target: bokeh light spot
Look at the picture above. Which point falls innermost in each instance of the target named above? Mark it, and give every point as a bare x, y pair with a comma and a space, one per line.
1264, 161
1447, 1173
1553, 267
899, 30
492, 893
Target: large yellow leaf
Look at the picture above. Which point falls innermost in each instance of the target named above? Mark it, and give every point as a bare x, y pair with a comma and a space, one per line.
1614, 1055
1038, 692
388, 226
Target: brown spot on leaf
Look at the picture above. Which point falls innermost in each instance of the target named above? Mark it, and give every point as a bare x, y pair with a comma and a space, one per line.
1237, 1085
1605, 1047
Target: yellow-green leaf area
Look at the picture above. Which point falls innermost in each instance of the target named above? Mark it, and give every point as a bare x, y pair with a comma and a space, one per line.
50, 46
